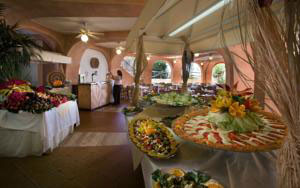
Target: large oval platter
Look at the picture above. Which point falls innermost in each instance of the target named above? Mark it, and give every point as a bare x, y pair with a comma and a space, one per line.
194, 127
152, 138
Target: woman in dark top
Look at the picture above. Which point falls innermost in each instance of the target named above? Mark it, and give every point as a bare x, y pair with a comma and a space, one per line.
117, 87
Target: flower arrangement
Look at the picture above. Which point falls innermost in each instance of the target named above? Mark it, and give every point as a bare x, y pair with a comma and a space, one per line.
236, 110
40, 89
57, 83
7, 88
17, 95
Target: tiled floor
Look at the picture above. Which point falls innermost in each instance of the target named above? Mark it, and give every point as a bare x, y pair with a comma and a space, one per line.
96, 155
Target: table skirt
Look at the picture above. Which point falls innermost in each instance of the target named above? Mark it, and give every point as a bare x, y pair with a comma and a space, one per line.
26, 134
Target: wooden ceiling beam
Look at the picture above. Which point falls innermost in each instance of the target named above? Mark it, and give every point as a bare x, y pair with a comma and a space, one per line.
73, 8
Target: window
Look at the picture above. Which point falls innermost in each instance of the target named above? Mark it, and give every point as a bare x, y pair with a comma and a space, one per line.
195, 73
219, 74
161, 72
128, 64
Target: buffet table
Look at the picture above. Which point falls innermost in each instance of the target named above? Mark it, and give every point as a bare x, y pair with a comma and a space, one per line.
26, 134
232, 169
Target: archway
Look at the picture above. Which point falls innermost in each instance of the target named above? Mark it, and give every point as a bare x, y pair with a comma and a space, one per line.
161, 72
127, 64
93, 74
218, 75
76, 52
195, 73
55, 38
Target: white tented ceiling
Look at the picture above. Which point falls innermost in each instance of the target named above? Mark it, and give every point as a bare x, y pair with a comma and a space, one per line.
159, 18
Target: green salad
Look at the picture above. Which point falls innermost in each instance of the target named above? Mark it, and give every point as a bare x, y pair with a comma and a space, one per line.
175, 99
177, 178
250, 122
132, 110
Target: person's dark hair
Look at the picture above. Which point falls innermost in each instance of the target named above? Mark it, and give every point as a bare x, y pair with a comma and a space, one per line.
119, 73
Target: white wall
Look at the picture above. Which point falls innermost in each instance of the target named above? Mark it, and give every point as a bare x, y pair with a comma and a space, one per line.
85, 65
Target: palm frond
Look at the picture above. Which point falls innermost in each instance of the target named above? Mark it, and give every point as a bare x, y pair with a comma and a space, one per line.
16, 51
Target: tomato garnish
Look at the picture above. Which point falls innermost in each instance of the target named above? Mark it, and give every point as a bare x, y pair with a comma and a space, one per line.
232, 136
217, 137
257, 142
205, 134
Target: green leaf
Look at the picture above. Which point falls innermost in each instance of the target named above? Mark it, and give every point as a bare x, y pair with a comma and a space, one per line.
202, 177
156, 175
191, 176
250, 122
16, 50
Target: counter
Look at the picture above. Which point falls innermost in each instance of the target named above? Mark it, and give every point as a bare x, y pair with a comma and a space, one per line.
94, 95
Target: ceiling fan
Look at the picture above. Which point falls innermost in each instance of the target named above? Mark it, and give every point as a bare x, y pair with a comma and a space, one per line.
84, 33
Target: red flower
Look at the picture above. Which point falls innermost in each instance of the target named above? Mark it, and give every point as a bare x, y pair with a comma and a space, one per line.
41, 89
5, 85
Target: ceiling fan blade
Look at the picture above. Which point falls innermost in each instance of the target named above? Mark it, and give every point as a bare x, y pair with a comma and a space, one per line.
95, 33
78, 36
94, 37
82, 31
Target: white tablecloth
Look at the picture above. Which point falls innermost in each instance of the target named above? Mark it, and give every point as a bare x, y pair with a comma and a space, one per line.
232, 169
26, 134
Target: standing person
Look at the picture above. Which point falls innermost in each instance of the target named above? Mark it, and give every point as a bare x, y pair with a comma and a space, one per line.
117, 87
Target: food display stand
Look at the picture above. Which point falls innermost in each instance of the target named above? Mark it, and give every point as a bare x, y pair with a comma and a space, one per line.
25, 134
231, 169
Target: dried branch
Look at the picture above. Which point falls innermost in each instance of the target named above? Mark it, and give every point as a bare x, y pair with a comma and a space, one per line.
276, 53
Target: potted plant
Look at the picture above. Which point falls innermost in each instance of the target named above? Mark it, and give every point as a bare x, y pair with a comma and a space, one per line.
16, 50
